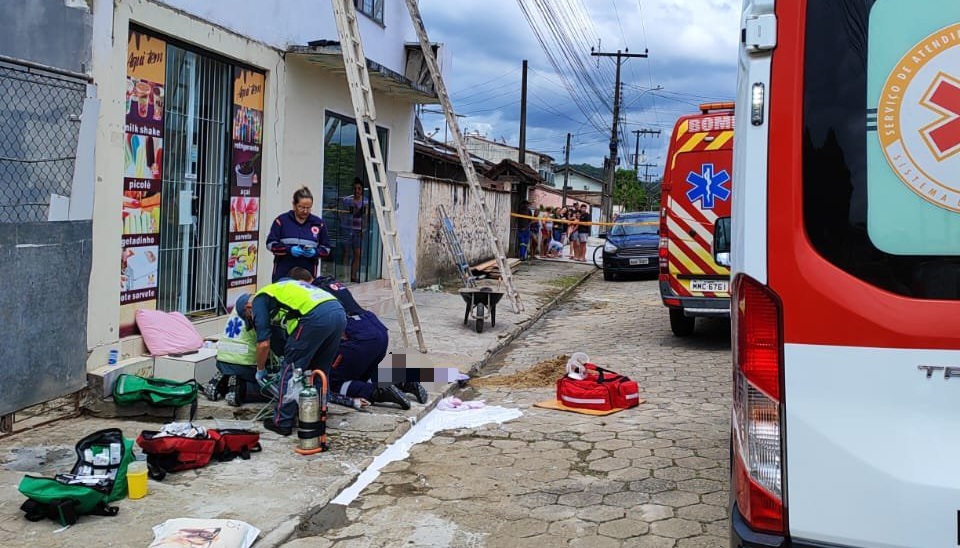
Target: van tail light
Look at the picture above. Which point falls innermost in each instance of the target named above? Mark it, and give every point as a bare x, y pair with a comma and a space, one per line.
663, 261
757, 406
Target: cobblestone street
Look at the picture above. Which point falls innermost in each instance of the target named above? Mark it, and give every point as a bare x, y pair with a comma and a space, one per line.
654, 476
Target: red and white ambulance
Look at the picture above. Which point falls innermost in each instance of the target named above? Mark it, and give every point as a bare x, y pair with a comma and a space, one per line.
846, 275
695, 203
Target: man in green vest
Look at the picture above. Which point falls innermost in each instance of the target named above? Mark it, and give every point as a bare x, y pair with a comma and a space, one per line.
237, 360
314, 321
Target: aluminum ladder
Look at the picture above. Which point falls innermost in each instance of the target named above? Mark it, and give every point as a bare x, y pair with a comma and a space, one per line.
455, 249
506, 275
361, 95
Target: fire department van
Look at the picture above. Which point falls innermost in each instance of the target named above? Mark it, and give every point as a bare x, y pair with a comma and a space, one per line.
846, 275
695, 218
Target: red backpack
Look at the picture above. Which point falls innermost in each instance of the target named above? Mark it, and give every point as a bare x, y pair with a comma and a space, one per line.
601, 390
175, 453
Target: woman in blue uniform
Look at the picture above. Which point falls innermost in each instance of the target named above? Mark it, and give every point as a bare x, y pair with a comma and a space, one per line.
297, 237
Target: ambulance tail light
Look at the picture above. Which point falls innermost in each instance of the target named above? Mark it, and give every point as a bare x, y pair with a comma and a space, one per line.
662, 254
757, 406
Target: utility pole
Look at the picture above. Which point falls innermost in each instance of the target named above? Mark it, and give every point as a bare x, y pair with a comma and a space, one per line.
566, 170
521, 188
607, 206
646, 171
523, 116
636, 154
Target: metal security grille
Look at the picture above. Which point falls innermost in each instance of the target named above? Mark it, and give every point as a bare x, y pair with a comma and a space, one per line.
39, 123
195, 178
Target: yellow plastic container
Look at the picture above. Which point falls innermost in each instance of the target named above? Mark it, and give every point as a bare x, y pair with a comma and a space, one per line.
137, 479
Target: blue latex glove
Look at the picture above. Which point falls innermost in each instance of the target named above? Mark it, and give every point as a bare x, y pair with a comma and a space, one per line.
297, 251
309, 252
261, 376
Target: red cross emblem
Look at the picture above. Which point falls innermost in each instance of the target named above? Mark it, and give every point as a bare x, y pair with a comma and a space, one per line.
943, 136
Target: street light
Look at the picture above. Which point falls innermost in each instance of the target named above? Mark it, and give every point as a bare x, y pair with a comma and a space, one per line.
647, 90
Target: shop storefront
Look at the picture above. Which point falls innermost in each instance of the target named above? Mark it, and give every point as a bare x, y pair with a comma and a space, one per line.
192, 143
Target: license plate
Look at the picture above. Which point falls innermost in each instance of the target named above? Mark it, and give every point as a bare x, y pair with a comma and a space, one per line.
641, 260
712, 286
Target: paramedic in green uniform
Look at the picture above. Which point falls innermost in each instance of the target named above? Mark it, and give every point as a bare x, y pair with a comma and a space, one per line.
237, 360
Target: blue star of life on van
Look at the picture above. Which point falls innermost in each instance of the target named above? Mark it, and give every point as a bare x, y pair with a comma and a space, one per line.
708, 186
233, 327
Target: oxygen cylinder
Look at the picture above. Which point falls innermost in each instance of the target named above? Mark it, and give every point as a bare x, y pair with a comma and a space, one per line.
312, 429
309, 413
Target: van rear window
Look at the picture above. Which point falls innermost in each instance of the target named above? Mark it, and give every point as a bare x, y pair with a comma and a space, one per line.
879, 178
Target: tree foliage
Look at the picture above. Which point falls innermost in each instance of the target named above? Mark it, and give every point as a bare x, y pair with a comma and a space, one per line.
628, 192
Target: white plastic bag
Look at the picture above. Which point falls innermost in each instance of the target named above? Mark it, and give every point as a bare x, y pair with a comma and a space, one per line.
209, 533
294, 387
576, 368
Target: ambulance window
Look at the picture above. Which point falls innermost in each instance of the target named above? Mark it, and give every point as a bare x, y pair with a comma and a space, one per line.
860, 211
721, 241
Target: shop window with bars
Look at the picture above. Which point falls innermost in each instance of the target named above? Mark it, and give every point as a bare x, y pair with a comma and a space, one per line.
195, 184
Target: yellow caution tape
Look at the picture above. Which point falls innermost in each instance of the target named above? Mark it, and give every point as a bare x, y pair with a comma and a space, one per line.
565, 221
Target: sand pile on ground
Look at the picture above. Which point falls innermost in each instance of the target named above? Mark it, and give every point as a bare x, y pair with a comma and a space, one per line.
540, 375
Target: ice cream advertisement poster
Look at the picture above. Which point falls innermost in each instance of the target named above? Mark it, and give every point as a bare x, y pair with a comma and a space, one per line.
247, 138
142, 175
242, 263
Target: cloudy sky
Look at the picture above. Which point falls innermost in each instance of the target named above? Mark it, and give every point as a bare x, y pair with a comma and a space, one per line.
692, 47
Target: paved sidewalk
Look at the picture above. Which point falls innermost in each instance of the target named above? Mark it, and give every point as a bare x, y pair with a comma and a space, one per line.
276, 487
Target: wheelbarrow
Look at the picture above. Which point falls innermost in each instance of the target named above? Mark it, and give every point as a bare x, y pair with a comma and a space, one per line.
481, 304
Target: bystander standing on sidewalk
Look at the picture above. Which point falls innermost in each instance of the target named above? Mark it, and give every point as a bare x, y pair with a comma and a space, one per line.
523, 229
572, 217
558, 228
583, 232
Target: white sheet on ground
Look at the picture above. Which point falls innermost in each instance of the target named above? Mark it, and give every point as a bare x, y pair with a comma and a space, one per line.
433, 422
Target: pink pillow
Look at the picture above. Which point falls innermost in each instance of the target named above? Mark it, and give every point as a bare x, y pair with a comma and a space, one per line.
167, 332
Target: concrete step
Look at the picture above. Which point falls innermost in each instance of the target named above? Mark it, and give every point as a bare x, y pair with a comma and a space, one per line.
200, 366
102, 379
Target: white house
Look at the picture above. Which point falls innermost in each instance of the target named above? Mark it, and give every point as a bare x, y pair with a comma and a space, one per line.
577, 180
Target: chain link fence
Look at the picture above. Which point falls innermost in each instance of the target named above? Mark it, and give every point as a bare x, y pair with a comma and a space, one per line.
39, 124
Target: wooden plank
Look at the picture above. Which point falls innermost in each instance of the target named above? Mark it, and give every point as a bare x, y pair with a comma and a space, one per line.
485, 266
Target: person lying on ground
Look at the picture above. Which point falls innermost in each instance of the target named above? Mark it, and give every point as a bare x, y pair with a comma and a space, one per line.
555, 249
362, 348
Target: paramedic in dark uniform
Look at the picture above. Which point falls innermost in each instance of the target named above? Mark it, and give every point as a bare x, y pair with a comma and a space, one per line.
297, 237
363, 346
314, 321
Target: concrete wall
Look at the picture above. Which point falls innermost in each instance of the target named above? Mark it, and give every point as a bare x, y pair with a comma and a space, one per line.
45, 268
310, 93
540, 196
51, 32
408, 221
434, 262
297, 22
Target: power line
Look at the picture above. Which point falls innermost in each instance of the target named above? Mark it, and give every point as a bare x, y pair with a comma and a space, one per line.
473, 86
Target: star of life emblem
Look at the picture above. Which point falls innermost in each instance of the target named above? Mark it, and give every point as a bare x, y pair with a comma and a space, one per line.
708, 186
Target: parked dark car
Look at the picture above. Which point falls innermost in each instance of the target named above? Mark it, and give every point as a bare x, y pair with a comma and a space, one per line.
631, 245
